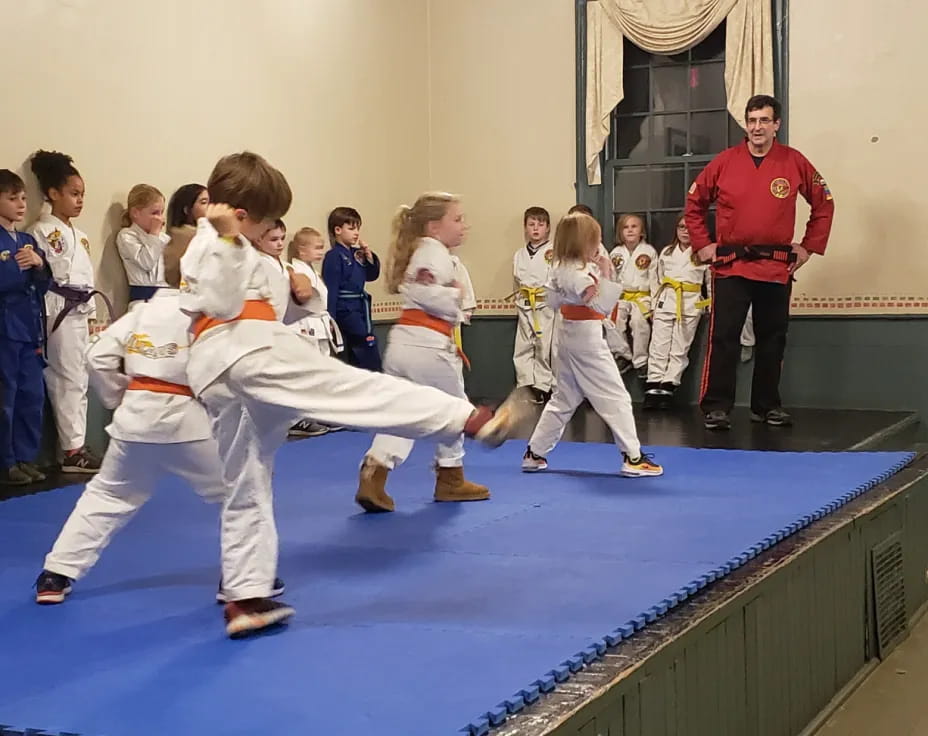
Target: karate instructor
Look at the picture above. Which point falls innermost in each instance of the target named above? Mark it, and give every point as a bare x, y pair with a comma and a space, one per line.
754, 186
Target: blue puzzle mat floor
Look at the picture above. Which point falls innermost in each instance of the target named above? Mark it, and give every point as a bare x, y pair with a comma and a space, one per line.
437, 619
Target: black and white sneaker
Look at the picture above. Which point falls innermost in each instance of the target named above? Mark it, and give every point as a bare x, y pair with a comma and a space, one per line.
82, 461
277, 590
774, 418
50, 587
532, 463
306, 428
32, 471
718, 420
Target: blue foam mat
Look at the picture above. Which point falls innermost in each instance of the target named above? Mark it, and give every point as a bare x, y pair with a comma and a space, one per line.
437, 619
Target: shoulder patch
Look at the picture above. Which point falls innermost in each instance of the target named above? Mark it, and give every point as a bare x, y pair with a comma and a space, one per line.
86, 244
549, 255
55, 242
643, 262
693, 187
4, 255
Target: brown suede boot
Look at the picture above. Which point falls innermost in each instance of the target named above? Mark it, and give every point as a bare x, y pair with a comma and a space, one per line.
372, 495
450, 485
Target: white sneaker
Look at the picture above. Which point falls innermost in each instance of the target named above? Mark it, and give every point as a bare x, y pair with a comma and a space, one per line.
532, 463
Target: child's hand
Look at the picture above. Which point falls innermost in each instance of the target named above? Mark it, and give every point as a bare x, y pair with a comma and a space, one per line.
589, 293
27, 258
157, 225
224, 220
605, 265
301, 287
365, 251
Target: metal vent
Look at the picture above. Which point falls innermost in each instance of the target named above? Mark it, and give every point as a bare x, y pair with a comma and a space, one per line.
888, 594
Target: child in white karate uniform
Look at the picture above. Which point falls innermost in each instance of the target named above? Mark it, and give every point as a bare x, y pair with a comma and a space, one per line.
141, 242
257, 377
421, 346
677, 307
69, 305
138, 366
306, 252
582, 288
635, 265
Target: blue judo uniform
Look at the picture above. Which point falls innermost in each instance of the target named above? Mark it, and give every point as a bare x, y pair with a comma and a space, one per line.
22, 387
345, 272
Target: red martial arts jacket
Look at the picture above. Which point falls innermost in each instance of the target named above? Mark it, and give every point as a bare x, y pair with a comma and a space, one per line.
756, 205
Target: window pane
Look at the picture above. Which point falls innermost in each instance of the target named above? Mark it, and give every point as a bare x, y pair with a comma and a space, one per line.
632, 55
635, 83
670, 89
713, 47
707, 86
668, 186
630, 135
735, 132
692, 171
661, 229
708, 132
631, 189
658, 60
668, 136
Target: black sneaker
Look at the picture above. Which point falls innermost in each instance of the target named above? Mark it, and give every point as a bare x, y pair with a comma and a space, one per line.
718, 420
82, 461
277, 590
32, 471
306, 428
14, 476
50, 587
532, 463
774, 417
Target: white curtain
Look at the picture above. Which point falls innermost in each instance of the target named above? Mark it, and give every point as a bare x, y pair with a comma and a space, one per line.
669, 27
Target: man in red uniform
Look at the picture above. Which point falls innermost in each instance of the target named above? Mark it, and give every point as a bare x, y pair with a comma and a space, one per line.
754, 186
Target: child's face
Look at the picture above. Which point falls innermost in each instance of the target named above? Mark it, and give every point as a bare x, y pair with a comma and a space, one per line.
451, 228
272, 242
310, 249
198, 209
149, 218
536, 230
69, 200
13, 206
631, 231
348, 234
683, 235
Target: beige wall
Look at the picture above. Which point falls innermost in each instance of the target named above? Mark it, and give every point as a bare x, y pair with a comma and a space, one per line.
156, 93
855, 75
503, 136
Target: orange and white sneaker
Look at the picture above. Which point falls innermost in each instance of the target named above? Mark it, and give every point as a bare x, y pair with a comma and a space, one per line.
642, 467
247, 617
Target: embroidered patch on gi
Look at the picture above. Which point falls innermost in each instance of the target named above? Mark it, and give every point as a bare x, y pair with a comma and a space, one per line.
86, 244
643, 262
27, 246
779, 188
139, 344
549, 256
56, 242
820, 181
5, 255
618, 260
371, 339
692, 187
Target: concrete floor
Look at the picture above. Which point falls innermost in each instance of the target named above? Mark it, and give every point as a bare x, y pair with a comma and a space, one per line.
893, 700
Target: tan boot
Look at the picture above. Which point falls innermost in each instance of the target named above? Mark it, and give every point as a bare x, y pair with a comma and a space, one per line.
372, 495
450, 485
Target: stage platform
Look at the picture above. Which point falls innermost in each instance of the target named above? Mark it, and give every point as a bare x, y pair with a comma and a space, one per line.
574, 602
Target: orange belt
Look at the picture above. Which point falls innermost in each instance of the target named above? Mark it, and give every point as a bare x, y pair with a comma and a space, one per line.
579, 312
155, 385
253, 309
418, 318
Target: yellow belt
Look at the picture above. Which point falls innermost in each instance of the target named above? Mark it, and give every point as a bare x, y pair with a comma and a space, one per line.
533, 294
681, 287
458, 341
638, 297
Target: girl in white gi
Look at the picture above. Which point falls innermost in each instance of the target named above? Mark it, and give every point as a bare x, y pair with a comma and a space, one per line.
257, 377
141, 242
581, 287
306, 250
531, 265
138, 366
69, 305
635, 264
677, 307
421, 346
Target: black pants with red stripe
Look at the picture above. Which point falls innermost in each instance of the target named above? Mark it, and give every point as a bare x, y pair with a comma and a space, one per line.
731, 297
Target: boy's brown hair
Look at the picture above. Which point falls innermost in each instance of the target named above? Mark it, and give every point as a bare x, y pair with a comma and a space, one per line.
539, 213
11, 182
247, 181
341, 216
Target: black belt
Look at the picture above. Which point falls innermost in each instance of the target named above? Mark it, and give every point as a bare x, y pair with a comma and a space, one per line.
727, 253
141, 293
73, 298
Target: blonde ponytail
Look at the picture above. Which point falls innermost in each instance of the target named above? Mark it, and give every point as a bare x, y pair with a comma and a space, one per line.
409, 225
